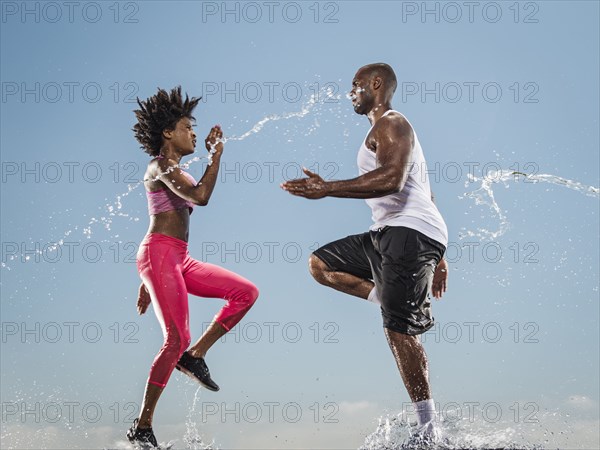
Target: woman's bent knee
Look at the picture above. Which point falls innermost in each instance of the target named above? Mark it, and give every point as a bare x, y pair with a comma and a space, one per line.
252, 294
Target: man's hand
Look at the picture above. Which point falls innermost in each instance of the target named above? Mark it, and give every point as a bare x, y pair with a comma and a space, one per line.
143, 299
440, 279
313, 187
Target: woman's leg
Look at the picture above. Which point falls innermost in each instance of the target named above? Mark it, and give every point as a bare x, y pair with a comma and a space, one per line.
211, 281
160, 266
151, 396
212, 334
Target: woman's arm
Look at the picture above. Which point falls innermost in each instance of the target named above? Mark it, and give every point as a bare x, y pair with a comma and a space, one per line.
200, 193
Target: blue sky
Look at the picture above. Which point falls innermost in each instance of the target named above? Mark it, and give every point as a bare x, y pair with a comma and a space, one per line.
307, 367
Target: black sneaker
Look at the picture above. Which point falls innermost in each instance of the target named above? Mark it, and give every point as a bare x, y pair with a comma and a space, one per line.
141, 437
197, 370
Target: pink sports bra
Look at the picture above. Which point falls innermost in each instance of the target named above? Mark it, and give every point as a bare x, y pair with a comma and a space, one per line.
166, 200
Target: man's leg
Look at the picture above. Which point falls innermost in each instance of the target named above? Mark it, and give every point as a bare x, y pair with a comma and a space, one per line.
343, 265
404, 278
340, 281
412, 362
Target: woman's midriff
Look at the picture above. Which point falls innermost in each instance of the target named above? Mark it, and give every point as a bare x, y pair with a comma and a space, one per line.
175, 223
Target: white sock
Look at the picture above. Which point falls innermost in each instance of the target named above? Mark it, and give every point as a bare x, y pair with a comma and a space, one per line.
373, 296
425, 410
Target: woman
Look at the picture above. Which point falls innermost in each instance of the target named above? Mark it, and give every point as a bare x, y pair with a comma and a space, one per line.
168, 273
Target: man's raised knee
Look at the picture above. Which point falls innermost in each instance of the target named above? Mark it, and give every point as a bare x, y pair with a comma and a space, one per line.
318, 268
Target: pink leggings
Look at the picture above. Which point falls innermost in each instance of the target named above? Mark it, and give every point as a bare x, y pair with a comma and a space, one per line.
169, 274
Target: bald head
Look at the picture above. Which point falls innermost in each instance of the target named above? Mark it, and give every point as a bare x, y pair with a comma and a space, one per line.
373, 87
385, 72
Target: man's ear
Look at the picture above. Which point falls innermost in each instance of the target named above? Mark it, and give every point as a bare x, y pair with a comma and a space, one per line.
377, 82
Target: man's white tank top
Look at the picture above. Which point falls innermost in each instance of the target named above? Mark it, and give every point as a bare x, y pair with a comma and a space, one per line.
410, 207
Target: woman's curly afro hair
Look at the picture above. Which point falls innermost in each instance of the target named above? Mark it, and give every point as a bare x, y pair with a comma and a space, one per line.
158, 113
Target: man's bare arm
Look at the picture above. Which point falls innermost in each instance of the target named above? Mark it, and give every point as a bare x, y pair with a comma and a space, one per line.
394, 141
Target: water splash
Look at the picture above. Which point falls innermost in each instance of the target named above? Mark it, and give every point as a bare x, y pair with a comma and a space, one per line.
307, 107
484, 195
396, 432
192, 437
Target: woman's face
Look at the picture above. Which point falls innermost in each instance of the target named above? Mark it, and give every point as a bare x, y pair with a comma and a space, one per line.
183, 137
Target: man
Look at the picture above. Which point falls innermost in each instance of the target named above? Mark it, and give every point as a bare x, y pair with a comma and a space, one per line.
403, 251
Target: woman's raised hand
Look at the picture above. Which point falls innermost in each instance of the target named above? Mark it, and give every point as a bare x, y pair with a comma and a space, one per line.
213, 140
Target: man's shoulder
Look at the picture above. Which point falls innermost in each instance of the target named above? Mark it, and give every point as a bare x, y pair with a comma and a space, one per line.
395, 117
393, 122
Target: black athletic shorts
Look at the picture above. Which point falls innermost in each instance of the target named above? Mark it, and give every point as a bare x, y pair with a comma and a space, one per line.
401, 262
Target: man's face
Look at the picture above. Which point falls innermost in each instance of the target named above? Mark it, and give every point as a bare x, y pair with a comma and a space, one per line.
360, 94
183, 137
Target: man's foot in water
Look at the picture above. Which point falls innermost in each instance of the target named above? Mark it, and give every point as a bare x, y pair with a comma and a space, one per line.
425, 437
